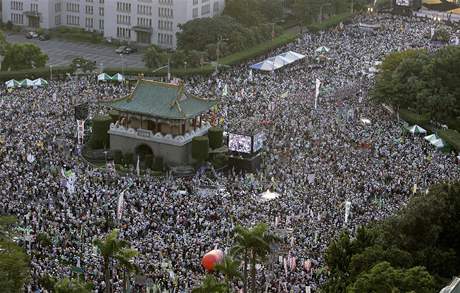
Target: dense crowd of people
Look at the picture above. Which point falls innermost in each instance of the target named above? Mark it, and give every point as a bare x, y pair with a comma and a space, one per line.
345, 149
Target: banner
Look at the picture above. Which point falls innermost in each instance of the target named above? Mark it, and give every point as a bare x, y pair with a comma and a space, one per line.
121, 202
318, 84
80, 131
347, 210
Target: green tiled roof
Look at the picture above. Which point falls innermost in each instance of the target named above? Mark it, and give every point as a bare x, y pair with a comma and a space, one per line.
162, 100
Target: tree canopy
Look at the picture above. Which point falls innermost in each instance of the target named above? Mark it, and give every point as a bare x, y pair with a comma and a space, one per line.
254, 12
416, 250
423, 82
23, 56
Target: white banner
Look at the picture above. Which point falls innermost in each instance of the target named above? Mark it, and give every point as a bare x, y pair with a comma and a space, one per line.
80, 131
347, 210
121, 202
318, 84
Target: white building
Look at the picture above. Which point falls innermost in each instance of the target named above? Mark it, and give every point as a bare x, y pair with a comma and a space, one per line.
141, 21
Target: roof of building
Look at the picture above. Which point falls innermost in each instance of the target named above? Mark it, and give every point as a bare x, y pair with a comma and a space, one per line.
453, 287
162, 100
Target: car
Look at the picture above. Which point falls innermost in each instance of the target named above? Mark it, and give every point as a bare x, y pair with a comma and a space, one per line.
44, 37
120, 50
129, 50
31, 35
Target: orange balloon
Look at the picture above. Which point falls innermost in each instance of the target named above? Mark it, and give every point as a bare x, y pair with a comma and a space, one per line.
212, 258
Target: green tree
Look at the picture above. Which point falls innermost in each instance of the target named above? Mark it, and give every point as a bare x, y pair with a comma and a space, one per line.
384, 278
3, 43
14, 267
154, 57
23, 56
111, 248
253, 244
67, 285
210, 285
82, 64
229, 267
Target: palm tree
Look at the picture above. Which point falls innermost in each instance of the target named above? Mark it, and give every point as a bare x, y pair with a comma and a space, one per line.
261, 246
242, 246
255, 242
67, 285
112, 248
229, 267
211, 285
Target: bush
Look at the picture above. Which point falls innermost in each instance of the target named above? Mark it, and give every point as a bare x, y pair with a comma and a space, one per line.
200, 148
158, 164
414, 118
101, 125
117, 156
215, 135
331, 22
219, 161
34, 73
451, 136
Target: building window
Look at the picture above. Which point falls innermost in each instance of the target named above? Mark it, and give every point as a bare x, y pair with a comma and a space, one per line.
205, 9
195, 12
34, 7
101, 11
195, 2
57, 20
16, 5
89, 22
89, 9
216, 7
58, 7
101, 24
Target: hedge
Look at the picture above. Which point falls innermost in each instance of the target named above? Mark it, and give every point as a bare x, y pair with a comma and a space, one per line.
200, 148
114, 115
332, 21
215, 135
451, 136
34, 73
414, 118
101, 125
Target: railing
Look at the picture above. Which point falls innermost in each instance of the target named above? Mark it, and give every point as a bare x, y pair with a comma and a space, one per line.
148, 135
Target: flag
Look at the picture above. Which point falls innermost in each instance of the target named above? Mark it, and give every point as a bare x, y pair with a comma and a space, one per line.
347, 210
138, 170
432, 32
251, 78
225, 91
54, 97
121, 202
292, 263
318, 84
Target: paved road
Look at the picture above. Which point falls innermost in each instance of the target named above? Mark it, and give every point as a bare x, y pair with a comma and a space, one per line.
62, 52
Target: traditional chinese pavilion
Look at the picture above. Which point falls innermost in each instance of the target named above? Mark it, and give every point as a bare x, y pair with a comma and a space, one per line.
159, 119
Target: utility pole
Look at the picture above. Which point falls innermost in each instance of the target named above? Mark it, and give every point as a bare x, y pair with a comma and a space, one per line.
169, 69
352, 5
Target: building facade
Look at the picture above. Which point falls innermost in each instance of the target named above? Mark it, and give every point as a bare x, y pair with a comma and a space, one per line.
140, 21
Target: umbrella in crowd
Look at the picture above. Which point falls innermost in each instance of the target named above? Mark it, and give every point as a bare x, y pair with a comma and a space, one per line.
322, 50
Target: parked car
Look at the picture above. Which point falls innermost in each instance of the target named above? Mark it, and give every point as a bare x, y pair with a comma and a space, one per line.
31, 35
120, 50
44, 37
129, 50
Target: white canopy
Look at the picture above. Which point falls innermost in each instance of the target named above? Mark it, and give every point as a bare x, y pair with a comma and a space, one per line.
12, 83
27, 82
118, 77
416, 129
40, 82
268, 195
274, 63
431, 137
438, 143
103, 77
322, 49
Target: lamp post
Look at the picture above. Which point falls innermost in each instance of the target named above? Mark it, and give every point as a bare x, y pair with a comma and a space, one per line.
185, 66
51, 72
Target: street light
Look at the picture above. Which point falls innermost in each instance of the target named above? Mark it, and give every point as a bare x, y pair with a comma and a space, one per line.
185, 66
51, 72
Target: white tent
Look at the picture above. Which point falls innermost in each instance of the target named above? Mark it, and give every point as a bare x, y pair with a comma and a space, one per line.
40, 82
118, 77
274, 63
292, 56
322, 49
27, 82
12, 83
268, 195
439, 143
431, 137
416, 129
103, 77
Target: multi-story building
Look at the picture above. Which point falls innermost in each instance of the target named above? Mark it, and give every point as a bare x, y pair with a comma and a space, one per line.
141, 21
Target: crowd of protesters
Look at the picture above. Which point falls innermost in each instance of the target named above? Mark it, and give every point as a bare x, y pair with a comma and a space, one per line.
346, 149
